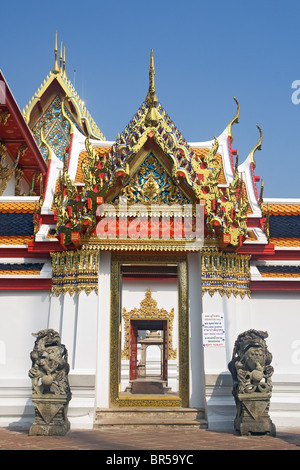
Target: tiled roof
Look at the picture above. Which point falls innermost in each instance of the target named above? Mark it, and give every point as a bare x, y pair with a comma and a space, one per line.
20, 269
16, 224
15, 240
17, 207
286, 242
279, 271
284, 226
282, 209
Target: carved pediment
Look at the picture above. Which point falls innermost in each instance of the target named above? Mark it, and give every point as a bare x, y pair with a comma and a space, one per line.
151, 184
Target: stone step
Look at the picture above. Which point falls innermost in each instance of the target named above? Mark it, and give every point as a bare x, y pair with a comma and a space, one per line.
159, 417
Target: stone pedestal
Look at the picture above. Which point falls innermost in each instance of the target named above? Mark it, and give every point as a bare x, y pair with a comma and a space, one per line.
50, 415
253, 415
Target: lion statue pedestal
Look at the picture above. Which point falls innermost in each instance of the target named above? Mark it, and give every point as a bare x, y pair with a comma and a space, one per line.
50, 386
252, 386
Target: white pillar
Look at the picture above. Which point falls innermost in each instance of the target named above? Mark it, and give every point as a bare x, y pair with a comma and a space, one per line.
103, 332
197, 384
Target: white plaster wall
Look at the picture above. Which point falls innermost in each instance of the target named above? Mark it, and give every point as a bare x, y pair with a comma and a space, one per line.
277, 313
21, 314
75, 318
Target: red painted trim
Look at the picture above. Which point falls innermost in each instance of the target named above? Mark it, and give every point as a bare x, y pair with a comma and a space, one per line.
19, 253
25, 284
48, 219
287, 255
231, 152
257, 249
292, 286
44, 247
254, 222
21, 123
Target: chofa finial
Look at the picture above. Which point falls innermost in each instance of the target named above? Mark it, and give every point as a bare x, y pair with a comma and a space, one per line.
234, 120
257, 146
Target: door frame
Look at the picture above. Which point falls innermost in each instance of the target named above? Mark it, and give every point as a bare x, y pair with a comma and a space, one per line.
179, 259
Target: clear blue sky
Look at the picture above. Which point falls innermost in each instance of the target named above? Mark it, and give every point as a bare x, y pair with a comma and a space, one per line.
205, 52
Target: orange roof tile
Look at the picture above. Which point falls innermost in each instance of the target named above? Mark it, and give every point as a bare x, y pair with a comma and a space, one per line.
282, 209
17, 207
288, 242
15, 240
19, 272
280, 274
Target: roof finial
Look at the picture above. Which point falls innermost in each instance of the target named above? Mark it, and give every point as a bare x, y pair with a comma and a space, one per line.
151, 99
55, 66
152, 116
64, 63
60, 58
257, 146
234, 120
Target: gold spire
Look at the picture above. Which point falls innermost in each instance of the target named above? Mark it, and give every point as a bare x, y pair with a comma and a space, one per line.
151, 100
55, 66
64, 63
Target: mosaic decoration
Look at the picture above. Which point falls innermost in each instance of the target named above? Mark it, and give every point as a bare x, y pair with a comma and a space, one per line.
225, 273
55, 129
74, 272
151, 185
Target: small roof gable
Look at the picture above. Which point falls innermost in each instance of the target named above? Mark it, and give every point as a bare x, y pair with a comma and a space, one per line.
16, 138
55, 108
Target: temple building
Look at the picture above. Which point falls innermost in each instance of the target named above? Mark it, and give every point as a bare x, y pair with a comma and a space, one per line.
149, 255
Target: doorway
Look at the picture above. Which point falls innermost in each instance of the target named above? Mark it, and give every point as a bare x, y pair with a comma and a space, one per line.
148, 350
136, 283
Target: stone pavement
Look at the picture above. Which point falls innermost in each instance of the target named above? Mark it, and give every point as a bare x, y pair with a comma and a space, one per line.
134, 440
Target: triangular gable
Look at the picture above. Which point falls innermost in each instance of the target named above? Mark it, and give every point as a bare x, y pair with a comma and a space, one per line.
55, 109
152, 163
17, 141
151, 184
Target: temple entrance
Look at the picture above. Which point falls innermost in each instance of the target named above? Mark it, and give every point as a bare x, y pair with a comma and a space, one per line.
148, 363
149, 331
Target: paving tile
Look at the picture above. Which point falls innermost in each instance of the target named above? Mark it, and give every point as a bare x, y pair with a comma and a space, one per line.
142, 439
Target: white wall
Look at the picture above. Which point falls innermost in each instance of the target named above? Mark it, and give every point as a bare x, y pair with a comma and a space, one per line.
21, 314
275, 312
